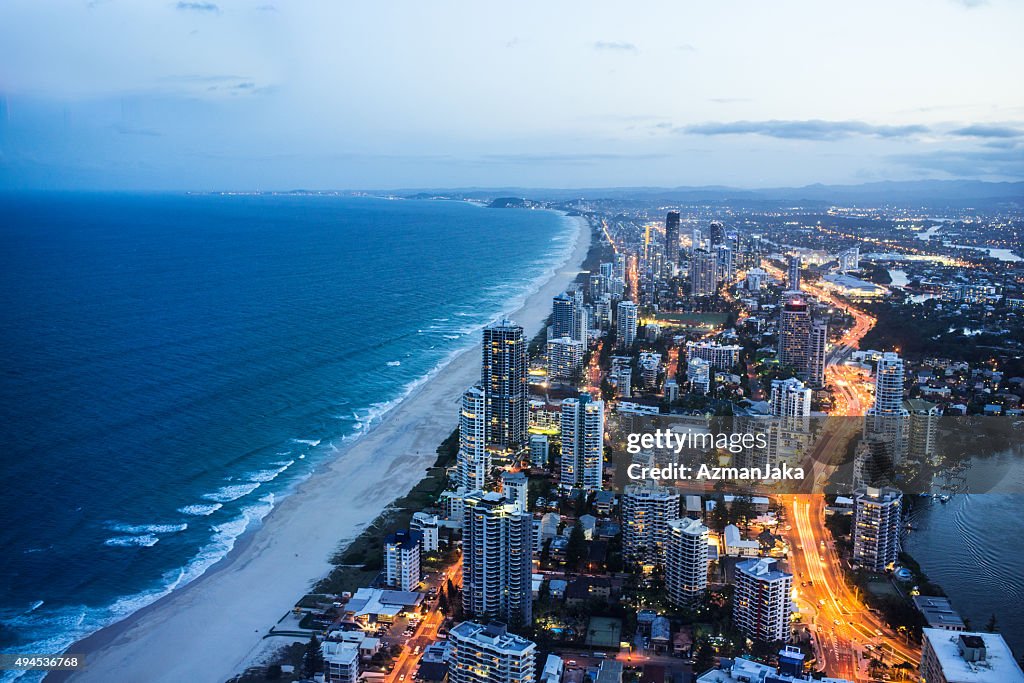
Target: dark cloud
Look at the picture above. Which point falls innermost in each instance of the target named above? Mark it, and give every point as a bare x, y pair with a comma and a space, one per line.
814, 129
616, 46
983, 131
197, 7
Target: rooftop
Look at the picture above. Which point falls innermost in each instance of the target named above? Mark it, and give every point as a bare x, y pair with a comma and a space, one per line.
997, 666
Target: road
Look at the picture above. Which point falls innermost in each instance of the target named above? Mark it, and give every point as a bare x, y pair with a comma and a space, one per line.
426, 633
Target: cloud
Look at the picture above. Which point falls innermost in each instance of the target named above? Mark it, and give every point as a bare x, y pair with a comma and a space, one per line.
971, 4
984, 131
729, 100
197, 6
686, 47
814, 129
616, 46
970, 163
574, 159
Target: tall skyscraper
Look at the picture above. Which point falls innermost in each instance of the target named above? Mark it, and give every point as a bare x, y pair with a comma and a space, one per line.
723, 263
698, 374
877, 523
686, 561
672, 236
402, 559
515, 487
716, 233
923, 431
887, 419
794, 273
795, 335
761, 599
582, 443
563, 316
625, 323
816, 349
703, 273
789, 435
473, 461
505, 385
497, 546
490, 654
696, 239
790, 399
646, 511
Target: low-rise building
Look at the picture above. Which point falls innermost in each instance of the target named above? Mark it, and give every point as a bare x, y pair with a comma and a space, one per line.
961, 657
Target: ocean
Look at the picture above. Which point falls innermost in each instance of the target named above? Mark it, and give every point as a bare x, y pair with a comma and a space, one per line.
175, 364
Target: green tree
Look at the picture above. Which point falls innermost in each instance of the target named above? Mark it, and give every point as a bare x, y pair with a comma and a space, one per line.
313, 659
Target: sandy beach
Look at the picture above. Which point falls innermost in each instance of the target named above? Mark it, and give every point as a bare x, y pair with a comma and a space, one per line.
212, 629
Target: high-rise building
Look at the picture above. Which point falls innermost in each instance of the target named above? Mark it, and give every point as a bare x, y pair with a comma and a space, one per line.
582, 443
887, 419
488, 653
696, 239
698, 374
686, 561
603, 313
761, 599
877, 522
795, 335
923, 431
646, 511
402, 559
794, 273
563, 316
515, 487
790, 399
716, 233
816, 349
625, 323
967, 657
703, 278
620, 266
497, 545
473, 461
540, 449
756, 277
565, 358
849, 259
723, 263
505, 385
720, 356
672, 236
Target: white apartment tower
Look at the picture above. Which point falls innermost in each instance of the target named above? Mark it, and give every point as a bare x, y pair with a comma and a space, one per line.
646, 511
582, 463
473, 461
625, 323
488, 653
565, 358
887, 418
497, 546
402, 559
686, 561
761, 599
877, 522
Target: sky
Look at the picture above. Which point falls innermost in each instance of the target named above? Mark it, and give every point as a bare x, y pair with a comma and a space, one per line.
274, 95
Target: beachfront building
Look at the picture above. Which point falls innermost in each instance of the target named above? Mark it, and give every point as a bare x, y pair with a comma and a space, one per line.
473, 461
402, 551
497, 540
505, 386
563, 316
582, 463
877, 518
967, 658
429, 526
488, 653
625, 324
646, 511
341, 661
686, 561
761, 599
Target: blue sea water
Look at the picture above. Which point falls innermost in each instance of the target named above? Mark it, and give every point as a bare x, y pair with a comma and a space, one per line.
173, 364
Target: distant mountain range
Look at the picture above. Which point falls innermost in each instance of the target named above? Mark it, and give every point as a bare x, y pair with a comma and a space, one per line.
932, 193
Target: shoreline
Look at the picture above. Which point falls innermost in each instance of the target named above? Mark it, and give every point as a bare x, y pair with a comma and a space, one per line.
278, 561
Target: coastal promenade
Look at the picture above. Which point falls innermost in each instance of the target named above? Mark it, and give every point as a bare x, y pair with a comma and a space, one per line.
213, 628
